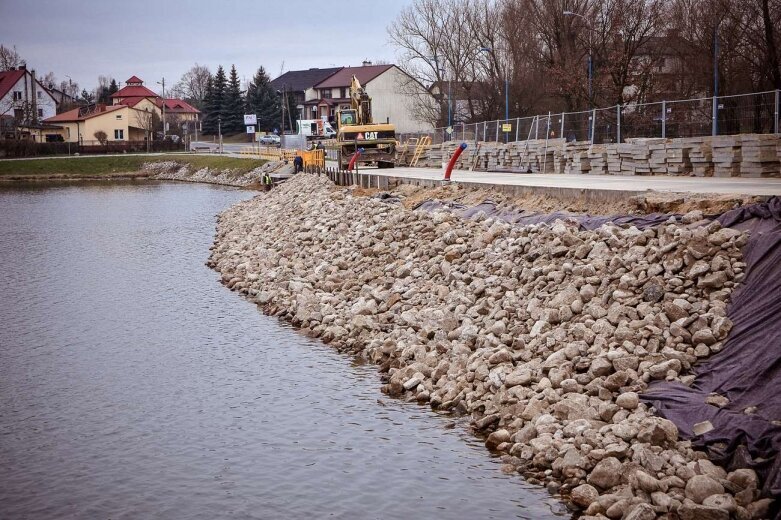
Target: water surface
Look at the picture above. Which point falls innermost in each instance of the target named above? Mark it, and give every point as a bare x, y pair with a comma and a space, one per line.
134, 385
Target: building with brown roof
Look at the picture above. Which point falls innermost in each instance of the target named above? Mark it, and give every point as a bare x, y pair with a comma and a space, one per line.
299, 84
389, 87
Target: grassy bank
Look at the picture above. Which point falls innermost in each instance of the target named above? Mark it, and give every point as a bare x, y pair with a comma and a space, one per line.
109, 165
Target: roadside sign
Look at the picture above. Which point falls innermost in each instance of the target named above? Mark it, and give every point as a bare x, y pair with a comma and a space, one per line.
250, 119
258, 135
251, 129
449, 130
507, 127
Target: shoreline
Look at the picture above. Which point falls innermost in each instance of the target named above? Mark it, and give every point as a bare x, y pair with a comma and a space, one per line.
545, 352
74, 177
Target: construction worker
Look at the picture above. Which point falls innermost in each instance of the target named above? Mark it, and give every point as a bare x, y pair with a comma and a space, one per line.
266, 179
298, 164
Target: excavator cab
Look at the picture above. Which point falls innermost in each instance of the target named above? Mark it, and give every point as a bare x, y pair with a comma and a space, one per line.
347, 118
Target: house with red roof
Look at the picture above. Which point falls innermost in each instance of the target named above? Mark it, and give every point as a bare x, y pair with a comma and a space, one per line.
119, 122
393, 94
176, 112
24, 101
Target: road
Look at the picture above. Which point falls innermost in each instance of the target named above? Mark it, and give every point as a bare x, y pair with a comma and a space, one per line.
231, 148
660, 183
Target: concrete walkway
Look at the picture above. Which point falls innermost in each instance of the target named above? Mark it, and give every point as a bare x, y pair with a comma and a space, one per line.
622, 183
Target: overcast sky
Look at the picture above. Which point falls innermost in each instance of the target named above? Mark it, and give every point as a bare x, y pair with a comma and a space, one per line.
162, 38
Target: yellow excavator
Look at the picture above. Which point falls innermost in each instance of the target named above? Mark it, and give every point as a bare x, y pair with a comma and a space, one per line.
356, 130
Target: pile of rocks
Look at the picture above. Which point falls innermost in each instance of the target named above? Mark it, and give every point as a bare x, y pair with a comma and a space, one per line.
175, 171
544, 335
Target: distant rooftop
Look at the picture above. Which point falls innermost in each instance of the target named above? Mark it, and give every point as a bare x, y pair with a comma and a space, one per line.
300, 80
343, 78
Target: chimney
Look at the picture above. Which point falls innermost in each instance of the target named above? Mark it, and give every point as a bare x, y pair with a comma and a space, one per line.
366, 63
22, 67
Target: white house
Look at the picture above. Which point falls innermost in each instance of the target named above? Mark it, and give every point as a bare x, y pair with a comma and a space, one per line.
387, 85
23, 99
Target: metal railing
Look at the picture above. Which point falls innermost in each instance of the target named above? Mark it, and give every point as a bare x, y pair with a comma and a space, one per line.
754, 113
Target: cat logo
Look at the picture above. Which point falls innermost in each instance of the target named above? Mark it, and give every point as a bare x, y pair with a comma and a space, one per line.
360, 137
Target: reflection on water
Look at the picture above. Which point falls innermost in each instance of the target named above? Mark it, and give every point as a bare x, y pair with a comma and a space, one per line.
133, 385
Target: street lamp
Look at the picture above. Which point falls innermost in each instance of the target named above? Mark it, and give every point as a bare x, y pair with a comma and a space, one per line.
716, 49
163, 84
219, 133
590, 57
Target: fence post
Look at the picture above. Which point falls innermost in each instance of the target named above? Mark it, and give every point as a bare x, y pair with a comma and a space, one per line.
664, 119
778, 102
497, 131
715, 117
593, 124
518, 124
537, 129
547, 129
561, 133
485, 129
618, 123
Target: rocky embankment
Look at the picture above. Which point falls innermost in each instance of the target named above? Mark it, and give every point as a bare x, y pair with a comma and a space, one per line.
544, 335
174, 171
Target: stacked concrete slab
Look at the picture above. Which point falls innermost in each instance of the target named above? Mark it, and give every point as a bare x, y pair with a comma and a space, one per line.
749, 155
727, 155
760, 155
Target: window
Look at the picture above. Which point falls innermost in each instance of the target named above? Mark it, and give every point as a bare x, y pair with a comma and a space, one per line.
119, 135
314, 112
344, 92
119, 116
40, 94
18, 114
17, 95
40, 112
326, 93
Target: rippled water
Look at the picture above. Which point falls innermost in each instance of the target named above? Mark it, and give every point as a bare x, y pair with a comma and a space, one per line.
133, 385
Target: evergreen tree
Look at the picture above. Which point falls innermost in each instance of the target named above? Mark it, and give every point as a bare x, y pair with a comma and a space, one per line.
263, 101
216, 105
113, 87
233, 106
209, 122
87, 97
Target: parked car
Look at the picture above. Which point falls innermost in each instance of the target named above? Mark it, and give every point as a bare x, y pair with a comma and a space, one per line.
270, 139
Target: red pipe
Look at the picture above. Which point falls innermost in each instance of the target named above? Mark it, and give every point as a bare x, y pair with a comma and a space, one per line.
353, 159
453, 160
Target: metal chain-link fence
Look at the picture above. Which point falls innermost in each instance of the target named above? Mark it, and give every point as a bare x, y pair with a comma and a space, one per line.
724, 115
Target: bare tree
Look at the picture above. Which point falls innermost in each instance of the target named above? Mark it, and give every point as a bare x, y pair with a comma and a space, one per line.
420, 32
192, 85
149, 121
9, 58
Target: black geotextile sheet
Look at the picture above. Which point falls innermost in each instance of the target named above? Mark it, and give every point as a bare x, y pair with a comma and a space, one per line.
748, 368
527, 218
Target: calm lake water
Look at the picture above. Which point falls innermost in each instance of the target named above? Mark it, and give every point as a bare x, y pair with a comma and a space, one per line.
134, 385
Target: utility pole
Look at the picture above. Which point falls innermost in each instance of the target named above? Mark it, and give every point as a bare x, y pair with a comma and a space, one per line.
163, 83
282, 126
219, 132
